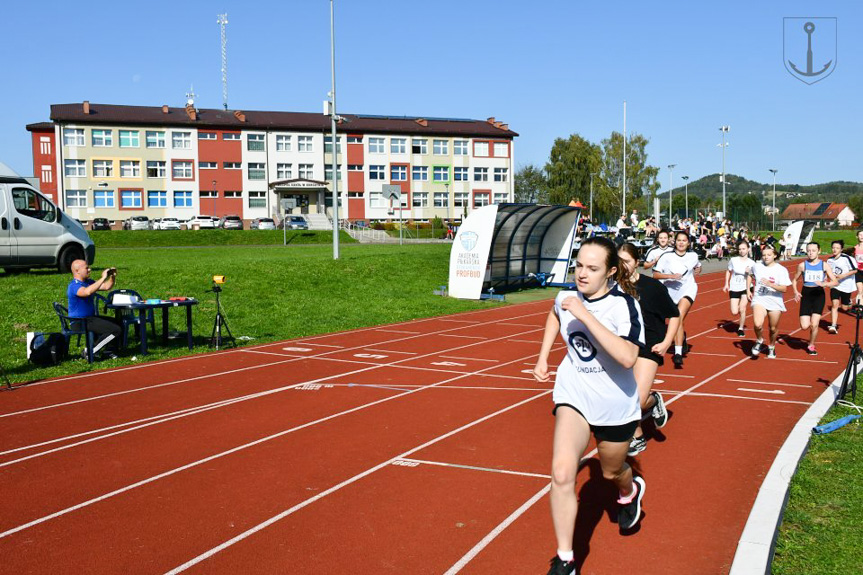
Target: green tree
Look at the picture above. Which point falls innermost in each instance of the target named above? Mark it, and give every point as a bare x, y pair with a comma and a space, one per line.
568, 169
531, 185
641, 178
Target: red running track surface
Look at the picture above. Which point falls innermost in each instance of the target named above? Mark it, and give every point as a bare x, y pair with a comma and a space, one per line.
423, 446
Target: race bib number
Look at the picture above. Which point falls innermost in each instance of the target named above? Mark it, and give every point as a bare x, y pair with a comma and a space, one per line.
813, 276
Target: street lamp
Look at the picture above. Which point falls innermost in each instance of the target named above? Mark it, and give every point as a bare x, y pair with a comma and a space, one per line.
772, 171
446, 187
686, 194
591, 198
670, 190
724, 130
333, 119
215, 198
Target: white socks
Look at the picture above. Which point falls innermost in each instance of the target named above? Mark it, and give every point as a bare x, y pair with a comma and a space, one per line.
566, 556
678, 350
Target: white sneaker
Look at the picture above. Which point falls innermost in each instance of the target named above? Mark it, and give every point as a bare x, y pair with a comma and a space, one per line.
756, 349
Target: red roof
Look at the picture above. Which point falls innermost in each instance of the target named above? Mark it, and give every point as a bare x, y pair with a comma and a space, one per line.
807, 211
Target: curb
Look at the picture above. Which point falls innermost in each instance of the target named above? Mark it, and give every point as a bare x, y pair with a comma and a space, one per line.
755, 549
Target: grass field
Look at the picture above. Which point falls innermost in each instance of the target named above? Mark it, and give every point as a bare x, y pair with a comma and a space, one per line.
217, 237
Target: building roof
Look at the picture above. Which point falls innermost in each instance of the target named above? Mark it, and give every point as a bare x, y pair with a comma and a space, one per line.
109, 114
816, 211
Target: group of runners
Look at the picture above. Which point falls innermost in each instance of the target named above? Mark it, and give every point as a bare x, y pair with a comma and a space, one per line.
618, 324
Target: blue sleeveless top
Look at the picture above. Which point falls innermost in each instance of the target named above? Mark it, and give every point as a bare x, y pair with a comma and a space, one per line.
813, 273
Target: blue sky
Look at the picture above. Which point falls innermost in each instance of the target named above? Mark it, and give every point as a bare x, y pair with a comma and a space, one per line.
549, 69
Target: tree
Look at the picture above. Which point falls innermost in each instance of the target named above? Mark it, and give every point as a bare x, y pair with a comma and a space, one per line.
530, 185
641, 178
568, 170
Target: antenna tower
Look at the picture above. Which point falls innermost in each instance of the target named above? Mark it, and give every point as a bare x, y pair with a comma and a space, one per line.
222, 21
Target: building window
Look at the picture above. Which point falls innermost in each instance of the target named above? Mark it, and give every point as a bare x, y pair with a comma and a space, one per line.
157, 199
283, 143
73, 137
376, 145
181, 140
208, 165
377, 172
441, 174
328, 144
257, 200
45, 146
459, 147
155, 139
480, 174
306, 171
76, 198
500, 174
207, 136
480, 199
355, 167
284, 171
376, 200
501, 197
103, 199
47, 175
182, 170
182, 199
130, 169
156, 169
102, 138
328, 173
304, 144
129, 139
398, 145
441, 200
355, 139
459, 174
75, 168
255, 142
399, 173
208, 194
103, 168
460, 199
441, 148
480, 149
419, 146
355, 194
230, 136
420, 173
420, 200
257, 171
501, 150
130, 199
233, 165
234, 194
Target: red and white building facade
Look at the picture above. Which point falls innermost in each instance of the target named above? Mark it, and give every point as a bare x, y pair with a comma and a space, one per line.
109, 161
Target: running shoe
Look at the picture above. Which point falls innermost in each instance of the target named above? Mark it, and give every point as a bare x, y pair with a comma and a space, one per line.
811, 350
756, 349
677, 360
832, 329
660, 414
629, 513
636, 446
740, 332
771, 352
561, 567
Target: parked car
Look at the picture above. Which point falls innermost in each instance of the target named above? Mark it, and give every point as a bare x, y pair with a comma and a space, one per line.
294, 223
100, 224
262, 224
166, 224
137, 223
231, 223
202, 222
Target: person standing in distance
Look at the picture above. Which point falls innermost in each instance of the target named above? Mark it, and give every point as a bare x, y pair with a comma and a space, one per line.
595, 389
771, 282
737, 283
844, 269
79, 294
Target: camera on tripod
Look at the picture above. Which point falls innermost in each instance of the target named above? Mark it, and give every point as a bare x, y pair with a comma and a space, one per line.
221, 322
857, 310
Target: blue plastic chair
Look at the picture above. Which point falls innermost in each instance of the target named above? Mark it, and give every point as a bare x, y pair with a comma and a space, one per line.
70, 326
130, 317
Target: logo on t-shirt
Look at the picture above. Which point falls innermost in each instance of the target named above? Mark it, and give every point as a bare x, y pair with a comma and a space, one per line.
582, 346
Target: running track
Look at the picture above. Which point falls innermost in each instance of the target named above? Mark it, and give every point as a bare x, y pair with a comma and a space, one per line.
420, 447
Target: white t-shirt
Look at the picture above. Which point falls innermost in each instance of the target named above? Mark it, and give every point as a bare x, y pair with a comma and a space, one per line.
673, 263
655, 251
739, 267
588, 378
765, 296
842, 265
634, 219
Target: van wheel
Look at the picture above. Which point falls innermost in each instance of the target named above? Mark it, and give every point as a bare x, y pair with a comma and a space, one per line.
67, 256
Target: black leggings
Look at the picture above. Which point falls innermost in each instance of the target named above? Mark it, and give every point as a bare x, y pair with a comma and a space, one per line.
103, 327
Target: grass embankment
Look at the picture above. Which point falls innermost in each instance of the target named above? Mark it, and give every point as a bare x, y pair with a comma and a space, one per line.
271, 293
218, 237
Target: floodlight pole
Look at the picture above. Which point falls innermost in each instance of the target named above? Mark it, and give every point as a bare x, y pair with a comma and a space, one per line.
591, 198
686, 194
623, 203
772, 171
335, 142
670, 190
724, 130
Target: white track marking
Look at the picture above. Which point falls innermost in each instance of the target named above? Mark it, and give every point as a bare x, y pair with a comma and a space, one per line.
475, 468
771, 383
399, 331
770, 391
714, 354
676, 375
393, 351
800, 359
470, 358
747, 398
518, 324
462, 321
467, 336
523, 341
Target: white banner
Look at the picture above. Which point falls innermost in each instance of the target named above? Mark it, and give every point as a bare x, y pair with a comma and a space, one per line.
468, 259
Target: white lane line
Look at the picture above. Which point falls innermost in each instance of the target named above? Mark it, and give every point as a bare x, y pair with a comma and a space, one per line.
518, 324
714, 354
473, 321
770, 391
333, 489
525, 341
466, 336
800, 359
783, 384
746, 397
392, 351
470, 358
675, 375
300, 342
475, 468
399, 331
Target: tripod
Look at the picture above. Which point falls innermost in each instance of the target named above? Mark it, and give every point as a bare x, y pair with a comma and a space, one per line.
5, 377
849, 380
220, 322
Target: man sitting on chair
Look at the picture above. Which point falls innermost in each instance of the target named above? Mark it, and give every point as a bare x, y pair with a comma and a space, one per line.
81, 305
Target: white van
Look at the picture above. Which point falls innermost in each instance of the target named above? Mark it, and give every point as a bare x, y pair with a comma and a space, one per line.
34, 232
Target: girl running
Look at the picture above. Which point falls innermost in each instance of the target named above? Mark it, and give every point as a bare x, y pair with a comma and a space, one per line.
844, 268
737, 283
660, 247
858, 256
677, 270
657, 340
595, 389
771, 281
816, 276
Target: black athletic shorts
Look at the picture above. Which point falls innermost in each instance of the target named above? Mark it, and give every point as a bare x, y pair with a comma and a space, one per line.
644, 351
858, 277
737, 294
812, 301
614, 433
843, 297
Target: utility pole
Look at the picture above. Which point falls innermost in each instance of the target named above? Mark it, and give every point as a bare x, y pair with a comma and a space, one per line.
724, 130
772, 171
686, 194
333, 118
624, 158
670, 190
591, 198
222, 22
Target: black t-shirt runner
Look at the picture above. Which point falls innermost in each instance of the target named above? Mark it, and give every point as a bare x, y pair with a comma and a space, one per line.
656, 307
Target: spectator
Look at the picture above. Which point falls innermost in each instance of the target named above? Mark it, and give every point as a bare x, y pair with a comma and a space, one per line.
80, 294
